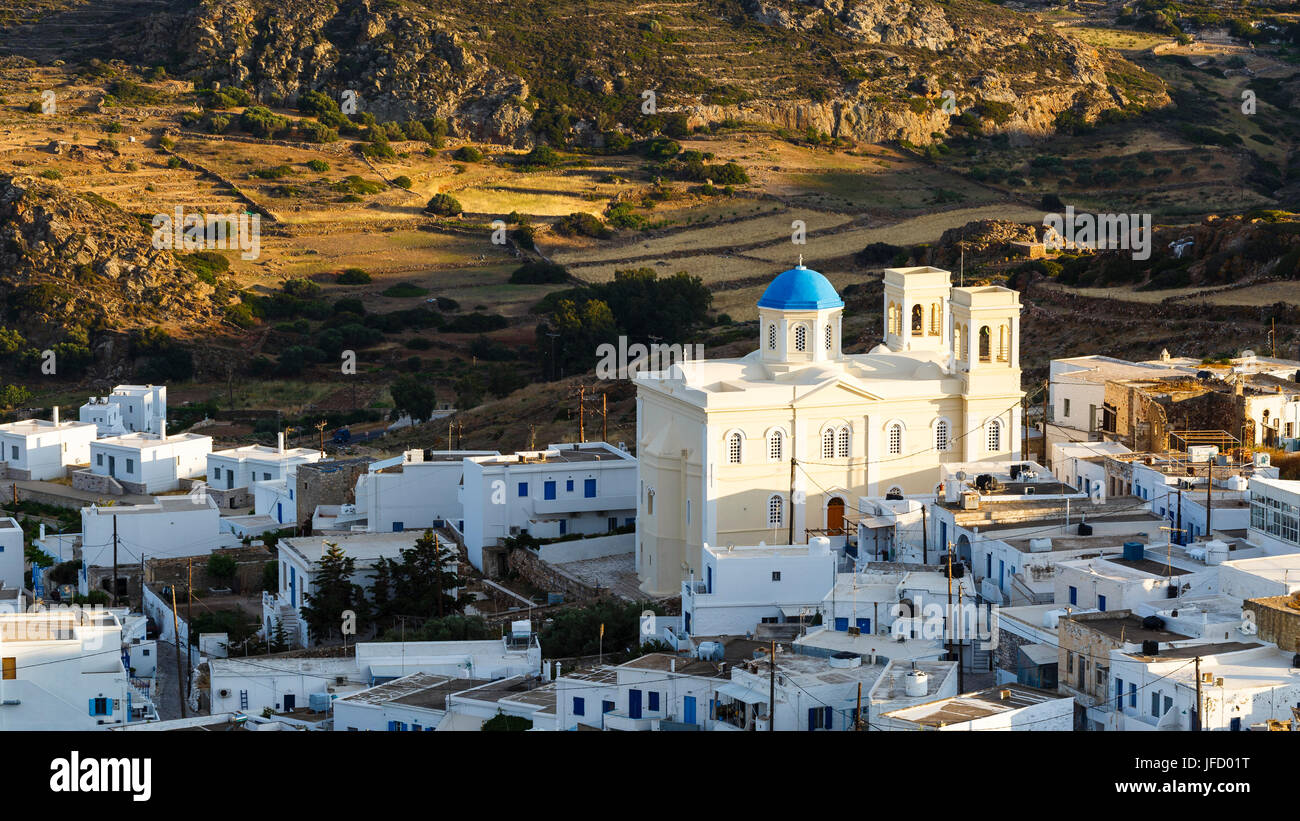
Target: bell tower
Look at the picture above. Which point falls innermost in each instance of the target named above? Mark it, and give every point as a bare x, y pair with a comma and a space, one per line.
916, 308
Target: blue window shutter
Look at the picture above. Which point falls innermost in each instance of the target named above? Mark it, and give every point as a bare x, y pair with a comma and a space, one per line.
589, 488
812, 718
653, 698
108, 706
523, 488
548, 490
92, 707
579, 706
568, 485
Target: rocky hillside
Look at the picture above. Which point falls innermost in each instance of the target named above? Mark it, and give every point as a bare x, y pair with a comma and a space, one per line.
71, 264
509, 70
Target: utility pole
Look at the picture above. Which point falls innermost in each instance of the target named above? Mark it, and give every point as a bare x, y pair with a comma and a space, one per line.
114, 559
604, 417
961, 675
1047, 389
771, 689
790, 537
1209, 488
1198, 694
189, 620
582, 413
948, 620
925, 537
320, 428
180, 679
857, 714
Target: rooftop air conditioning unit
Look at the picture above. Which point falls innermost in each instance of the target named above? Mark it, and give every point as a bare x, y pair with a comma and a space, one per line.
224, 693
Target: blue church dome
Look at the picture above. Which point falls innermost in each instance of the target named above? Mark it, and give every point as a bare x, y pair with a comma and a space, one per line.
800, 289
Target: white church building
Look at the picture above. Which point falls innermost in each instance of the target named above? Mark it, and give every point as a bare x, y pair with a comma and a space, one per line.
776, 446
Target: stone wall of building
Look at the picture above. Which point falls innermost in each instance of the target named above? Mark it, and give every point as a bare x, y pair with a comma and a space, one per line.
1276, 621
548, 577
249, 562
94, 483
326, 483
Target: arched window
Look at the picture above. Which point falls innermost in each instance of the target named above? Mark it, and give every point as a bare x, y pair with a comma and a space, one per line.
829, 337
775, 511
936, 319
941, 435
895, 319
1004, 343
650, 501
733, 448
844, 442
995, 436
828, 443
896, 438
957, 338
918, 320
771, 337
801, 337
775, 445
985, 344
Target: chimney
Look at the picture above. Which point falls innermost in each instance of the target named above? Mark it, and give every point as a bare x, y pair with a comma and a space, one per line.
55, 417
162, 430
672, 665
279, 442
1006, 694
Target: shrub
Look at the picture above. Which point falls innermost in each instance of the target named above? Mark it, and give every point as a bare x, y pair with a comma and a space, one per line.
403, 290
319, 166
583, 224
443, 205
536, 272
542, 156
403, 182
468, 153
353, 276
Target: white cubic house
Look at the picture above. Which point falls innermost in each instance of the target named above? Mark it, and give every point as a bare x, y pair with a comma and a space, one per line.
414, 491
128, 409
144, 463
299, 559
37, 449
12, 563
745, 586
64, 670
587, 488
231, 473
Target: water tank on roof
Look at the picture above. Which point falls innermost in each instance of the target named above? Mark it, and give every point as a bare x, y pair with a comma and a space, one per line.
1133, 551
521, 629
916, 683
1085, 529
1153, 623
319, 702
1150, 648
710, 651
845, 661
819, 546
1040, 545
1216, 551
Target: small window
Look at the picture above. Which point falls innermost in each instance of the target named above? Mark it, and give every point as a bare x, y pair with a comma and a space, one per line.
830, 337
733, 448
523, 489
589, 488
801, 338
828, 443
775, 511
775, 446
918, 320
652, 701
995, 436
776, 575
941, 440
650, 502
568, 485
1065, 411
9, 668
843, 451
986, 344
771, 337
895, 438
579, 706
